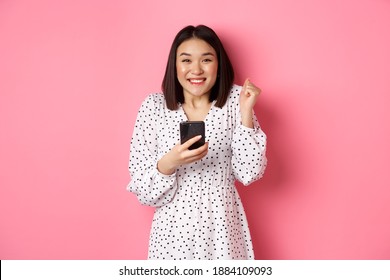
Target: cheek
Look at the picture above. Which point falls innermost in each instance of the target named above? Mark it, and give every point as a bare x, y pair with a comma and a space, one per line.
213, 70
180, 71
181, 75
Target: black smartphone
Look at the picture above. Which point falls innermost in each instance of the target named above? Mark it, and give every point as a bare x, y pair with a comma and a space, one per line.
190, 129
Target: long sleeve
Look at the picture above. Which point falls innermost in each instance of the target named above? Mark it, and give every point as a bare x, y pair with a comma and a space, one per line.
249, 151
151, 187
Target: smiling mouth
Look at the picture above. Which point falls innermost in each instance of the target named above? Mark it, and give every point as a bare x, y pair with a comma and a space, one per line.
196, 81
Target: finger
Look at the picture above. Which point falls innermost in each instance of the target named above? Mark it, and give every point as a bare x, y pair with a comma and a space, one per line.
191, 141
197, 154
202, 149
253, 90
198, 151
244, 87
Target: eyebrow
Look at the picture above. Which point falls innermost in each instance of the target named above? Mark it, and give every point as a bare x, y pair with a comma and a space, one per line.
204, 54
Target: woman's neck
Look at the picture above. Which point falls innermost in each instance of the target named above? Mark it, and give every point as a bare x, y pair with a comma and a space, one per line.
197, 102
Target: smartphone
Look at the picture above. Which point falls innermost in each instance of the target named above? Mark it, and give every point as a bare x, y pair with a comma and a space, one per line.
190, 129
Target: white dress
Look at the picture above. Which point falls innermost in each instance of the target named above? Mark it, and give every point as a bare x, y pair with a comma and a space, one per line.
198, 212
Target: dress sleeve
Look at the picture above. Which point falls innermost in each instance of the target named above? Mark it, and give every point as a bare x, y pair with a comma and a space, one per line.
249, 151
151, 187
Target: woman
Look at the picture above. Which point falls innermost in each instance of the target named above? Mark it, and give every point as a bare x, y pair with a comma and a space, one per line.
198, 214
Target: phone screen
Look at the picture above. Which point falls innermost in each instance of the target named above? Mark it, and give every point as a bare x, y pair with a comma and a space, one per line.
190, 129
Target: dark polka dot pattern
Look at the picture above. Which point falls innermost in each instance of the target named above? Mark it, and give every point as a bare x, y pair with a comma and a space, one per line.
198, 212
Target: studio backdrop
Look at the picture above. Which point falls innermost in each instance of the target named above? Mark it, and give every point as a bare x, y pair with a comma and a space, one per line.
74, 73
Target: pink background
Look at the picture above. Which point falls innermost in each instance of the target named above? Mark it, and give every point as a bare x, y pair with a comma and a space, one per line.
73, 75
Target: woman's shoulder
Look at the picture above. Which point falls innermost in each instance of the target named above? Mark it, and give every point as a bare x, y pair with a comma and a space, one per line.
234, 95
154, 99
153, 104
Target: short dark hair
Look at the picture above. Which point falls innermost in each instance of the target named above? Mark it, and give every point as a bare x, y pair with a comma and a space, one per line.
171, 87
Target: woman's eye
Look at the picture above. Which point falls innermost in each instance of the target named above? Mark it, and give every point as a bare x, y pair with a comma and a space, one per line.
207, 60
185, 60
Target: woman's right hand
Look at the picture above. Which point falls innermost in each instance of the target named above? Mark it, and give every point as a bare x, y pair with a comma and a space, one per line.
180, 154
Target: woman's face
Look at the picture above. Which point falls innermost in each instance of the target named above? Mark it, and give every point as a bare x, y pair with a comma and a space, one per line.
197, 67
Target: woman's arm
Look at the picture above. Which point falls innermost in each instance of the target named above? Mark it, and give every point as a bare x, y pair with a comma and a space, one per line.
249, 153
152, 187
249, 141
153, 180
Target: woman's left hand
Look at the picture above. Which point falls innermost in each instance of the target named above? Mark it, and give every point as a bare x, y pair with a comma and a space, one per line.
248, 97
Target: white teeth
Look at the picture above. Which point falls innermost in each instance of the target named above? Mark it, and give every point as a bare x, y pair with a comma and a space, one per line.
196, 81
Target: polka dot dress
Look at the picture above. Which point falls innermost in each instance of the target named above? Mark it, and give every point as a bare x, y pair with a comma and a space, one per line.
198, 212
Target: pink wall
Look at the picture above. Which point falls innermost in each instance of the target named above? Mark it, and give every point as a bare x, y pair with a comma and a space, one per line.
73, 74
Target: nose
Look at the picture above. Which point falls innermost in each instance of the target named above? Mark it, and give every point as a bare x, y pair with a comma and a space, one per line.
196, 68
